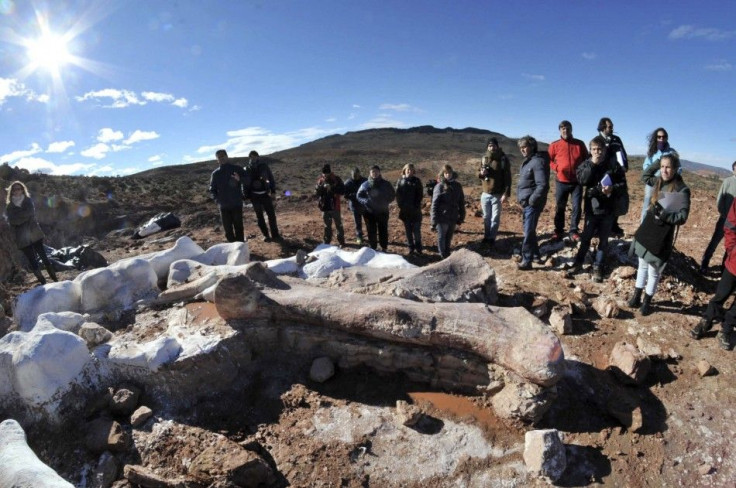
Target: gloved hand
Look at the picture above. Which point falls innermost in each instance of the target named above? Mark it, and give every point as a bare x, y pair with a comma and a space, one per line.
433, 228
658, 208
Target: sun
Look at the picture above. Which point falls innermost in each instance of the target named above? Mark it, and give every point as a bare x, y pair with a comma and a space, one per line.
48, 52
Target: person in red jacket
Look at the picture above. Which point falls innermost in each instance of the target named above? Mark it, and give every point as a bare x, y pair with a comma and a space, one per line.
726, 287
565, 155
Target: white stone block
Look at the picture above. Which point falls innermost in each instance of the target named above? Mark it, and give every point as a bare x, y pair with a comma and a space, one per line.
151, 355
63, 296
229, 254
118, 286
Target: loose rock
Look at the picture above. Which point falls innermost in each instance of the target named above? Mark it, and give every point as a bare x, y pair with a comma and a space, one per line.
705, 368
322, 370
628, 363
544, 453
140, 416
407, 414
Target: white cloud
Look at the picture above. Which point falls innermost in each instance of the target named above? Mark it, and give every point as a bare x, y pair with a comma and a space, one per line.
119, 147
331, 119
533, 77
98, 151
118, 98
240, 142
125, 98
720, 65
16, 155
140, 135
107, 169
108, 135
355, 105
195, 108
154, 159
707, 33
589, 56
157, 97
351, 116
60, 146
39, 165
382, 121
399, 107
127, 171
10, 87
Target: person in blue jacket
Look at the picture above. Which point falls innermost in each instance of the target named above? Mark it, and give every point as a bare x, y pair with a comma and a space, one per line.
375, 195
531, 193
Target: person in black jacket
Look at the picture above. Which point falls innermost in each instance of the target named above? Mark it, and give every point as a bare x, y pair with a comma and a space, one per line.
409, 194
603, 179
21, 215
448, 208
328, 190
615, 153
226, 189
260, 184
352, 185
375, 195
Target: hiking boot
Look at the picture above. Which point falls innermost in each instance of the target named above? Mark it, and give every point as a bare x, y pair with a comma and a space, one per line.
635, 300
724, 340
597, 274
557, 236
280, 238
39, 276
266, 238
699, 330
573, 269
646, 305
524, 266
617, 231
574, 237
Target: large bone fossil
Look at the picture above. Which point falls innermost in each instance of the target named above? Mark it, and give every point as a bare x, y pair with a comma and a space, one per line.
510, 337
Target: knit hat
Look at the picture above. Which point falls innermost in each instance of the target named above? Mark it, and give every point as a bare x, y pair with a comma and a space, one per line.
493, 141
376, 167
326, 169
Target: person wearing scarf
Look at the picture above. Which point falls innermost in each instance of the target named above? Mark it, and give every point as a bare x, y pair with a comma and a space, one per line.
21, 215
659, 145
448, 208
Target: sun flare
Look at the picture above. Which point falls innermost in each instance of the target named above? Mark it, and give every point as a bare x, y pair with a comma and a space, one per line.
48, 52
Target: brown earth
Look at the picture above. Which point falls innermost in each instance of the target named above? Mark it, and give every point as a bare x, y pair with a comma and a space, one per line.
687, 432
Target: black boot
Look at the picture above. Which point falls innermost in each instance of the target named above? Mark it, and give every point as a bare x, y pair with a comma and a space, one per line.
699, 330
39, 276
52, 273
635, 300
724, 336
646, 305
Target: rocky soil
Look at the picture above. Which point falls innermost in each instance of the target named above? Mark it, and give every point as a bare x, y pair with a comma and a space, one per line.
675, 429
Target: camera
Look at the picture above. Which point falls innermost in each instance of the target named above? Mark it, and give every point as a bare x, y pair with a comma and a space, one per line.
485, 171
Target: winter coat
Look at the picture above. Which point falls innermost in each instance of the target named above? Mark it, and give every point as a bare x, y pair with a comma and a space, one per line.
259, 180
495, 174
590, 176
448, 203
328, 190
533, 182
375, 195
565, 157
615, 145
351, 190
657, 230
225, 190
23, 222
729, 232
409, 194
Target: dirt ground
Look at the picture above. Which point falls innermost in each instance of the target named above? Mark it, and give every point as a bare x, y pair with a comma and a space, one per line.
687, 434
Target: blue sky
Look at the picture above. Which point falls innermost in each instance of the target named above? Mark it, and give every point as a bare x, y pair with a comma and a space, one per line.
128, 85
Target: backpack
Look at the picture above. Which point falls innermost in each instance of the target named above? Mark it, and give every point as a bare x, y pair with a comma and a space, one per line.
429, 185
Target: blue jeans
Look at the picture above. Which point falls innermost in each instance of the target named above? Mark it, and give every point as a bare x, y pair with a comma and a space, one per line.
714, 241
491, 205
530, 245
414, 235
562, 193
358, 219
648, 275
444, 238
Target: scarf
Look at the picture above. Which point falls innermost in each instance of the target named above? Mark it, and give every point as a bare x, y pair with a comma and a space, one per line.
18, 200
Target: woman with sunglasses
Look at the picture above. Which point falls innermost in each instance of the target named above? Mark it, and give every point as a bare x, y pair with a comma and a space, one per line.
21, 215
658, 146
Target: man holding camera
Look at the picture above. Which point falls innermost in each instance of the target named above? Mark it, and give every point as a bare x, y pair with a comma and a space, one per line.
495, 175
